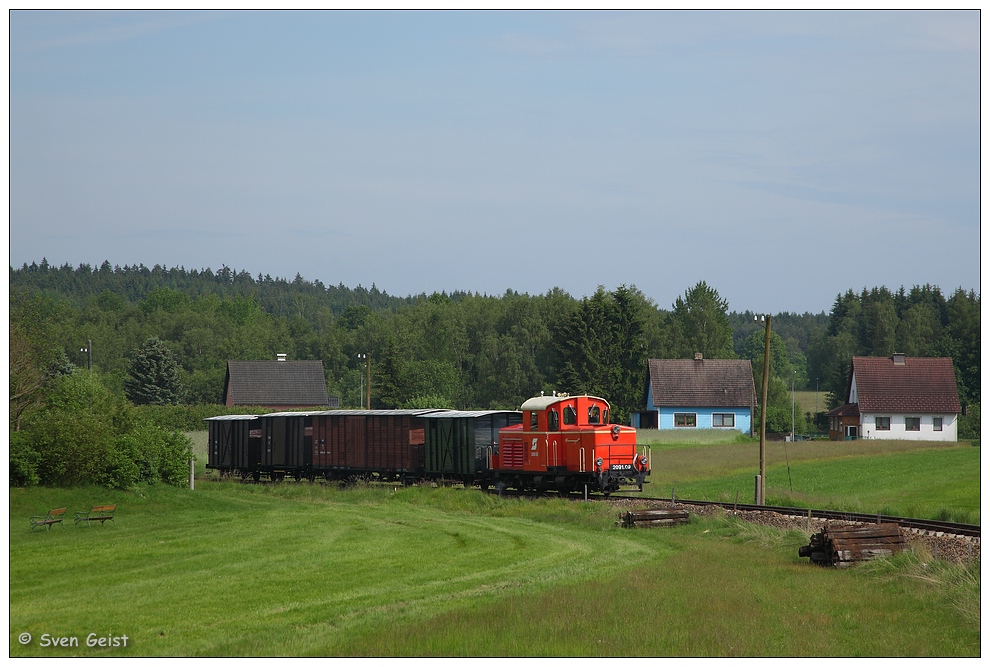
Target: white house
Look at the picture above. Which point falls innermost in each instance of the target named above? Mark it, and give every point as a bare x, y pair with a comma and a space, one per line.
899, 398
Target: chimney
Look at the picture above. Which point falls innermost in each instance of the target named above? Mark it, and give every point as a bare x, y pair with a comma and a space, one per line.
898, 359
698, 356
280, 356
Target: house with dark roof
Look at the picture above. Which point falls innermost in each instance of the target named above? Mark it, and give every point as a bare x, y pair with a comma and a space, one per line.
699, 393
898, 398
278, 385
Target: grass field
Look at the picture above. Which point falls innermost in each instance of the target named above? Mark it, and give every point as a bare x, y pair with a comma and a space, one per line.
897, 477
296, 569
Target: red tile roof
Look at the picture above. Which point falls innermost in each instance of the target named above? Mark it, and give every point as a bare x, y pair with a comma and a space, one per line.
920, 384
719, 383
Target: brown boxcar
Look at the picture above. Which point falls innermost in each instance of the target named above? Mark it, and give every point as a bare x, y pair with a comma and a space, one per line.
387, 444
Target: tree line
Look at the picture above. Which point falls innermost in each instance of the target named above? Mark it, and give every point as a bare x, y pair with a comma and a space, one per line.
459, 350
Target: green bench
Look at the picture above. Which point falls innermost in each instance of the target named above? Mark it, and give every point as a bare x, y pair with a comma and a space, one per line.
99, 513
53, 516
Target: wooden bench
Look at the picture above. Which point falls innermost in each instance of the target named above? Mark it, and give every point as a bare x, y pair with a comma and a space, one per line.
99, 513
53, 516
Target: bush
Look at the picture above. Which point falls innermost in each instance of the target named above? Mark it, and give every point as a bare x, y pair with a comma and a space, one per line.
23, 460
89, 433
969, 423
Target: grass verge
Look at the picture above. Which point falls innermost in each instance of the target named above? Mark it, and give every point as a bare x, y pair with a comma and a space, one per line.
297, 569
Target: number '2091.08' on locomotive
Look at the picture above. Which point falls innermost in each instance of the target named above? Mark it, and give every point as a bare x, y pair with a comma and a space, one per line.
565, 443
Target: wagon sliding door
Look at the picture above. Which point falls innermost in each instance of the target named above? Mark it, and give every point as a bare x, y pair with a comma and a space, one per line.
273, 449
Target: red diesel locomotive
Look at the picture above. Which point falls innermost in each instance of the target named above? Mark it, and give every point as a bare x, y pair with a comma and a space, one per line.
565, 443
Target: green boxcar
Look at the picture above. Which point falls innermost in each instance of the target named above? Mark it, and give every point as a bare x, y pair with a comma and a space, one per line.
459, 442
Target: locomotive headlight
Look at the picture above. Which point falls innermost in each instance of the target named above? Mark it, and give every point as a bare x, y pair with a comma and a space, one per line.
599, 461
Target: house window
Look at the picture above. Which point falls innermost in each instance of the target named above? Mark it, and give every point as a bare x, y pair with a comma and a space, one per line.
883, 423
570, 415
685, 419
723, 420
912, 423
936, 423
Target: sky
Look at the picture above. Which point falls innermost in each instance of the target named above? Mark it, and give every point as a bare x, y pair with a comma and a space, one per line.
781, 157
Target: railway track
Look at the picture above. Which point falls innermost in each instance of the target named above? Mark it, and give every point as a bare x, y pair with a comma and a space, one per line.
962, 529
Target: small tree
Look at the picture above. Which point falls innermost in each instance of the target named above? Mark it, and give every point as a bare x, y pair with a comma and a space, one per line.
153, 376
700, 323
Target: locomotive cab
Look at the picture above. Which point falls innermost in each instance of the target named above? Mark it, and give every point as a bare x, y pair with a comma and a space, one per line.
566, 442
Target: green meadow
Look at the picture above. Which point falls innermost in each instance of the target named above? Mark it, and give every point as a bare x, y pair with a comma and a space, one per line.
903, 478
298, 569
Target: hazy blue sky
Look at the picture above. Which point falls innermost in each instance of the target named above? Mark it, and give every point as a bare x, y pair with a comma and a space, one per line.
780, 157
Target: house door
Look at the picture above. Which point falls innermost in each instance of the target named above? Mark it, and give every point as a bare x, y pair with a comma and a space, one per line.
852, 432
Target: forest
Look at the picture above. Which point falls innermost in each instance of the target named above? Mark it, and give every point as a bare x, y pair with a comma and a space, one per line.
460, 350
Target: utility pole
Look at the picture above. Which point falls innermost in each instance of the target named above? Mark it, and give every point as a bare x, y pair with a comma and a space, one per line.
89, 354
793, 374
762, 490
362, 356
366, 386
367, 363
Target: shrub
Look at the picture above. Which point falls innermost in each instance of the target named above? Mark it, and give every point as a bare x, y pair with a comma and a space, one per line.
23, 460
969, 423
89, 433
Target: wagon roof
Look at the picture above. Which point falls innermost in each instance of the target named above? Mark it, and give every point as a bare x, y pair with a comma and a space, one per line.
374, 413
457, 414
219, 418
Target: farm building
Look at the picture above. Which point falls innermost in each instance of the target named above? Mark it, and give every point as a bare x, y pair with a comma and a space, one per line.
898, 398
698, 393
277, 385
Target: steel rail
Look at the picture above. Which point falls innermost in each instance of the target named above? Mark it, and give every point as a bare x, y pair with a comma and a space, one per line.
964, 529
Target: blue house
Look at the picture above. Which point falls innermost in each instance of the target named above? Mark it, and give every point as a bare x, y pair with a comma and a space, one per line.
698, 393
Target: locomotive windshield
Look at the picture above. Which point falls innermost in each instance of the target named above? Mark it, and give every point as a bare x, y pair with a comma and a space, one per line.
594, 414
553, 420
570, 415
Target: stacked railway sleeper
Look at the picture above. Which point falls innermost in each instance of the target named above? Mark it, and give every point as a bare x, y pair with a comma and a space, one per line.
842, 546
948, 542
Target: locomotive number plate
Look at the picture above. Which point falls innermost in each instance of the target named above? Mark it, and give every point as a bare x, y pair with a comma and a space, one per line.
622, 466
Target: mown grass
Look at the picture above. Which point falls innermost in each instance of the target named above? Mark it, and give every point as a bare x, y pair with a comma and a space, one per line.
904, 478
299, 569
